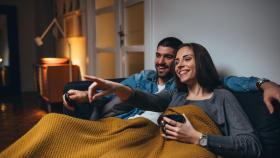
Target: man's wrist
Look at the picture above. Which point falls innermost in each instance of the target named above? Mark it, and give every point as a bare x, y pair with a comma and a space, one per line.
260, 83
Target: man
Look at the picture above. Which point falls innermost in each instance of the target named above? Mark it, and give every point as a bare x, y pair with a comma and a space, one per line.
153, 82
147, 80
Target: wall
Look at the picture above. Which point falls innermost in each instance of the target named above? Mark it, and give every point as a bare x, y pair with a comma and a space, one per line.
78, 52
33, 17
74, 27
27, 56
43, 12
242, 36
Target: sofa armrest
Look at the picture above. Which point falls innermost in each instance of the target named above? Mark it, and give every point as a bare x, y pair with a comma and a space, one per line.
77, 85
266, 125
83, 85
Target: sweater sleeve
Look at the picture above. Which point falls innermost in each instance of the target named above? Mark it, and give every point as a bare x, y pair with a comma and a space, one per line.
151, 102
240, 139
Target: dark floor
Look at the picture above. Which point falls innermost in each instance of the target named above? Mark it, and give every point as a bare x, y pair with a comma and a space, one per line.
17, 115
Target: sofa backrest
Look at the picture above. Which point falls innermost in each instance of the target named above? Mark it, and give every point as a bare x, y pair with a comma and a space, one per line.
267, 125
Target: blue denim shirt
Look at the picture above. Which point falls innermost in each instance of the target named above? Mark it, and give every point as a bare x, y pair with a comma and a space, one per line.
146, 80
240, 84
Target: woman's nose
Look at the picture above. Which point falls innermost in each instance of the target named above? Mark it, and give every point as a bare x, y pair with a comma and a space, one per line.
179, 64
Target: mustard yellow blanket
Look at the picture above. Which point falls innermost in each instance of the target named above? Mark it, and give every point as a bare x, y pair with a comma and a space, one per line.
57, 135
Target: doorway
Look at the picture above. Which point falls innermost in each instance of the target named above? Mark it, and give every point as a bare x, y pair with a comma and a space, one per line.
119, 37
9, 56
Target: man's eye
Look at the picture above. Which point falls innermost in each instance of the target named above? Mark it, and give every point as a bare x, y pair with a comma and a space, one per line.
169, 56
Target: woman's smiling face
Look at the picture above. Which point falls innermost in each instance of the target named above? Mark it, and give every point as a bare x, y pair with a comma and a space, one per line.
185, 65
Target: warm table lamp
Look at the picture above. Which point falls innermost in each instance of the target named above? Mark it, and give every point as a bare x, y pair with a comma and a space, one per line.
39, 42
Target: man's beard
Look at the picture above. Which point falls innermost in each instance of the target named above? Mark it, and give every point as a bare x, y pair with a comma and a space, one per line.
167, 74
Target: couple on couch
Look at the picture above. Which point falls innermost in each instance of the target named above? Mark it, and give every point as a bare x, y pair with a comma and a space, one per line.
228, 132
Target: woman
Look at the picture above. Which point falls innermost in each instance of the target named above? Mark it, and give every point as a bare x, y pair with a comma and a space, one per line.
197, 81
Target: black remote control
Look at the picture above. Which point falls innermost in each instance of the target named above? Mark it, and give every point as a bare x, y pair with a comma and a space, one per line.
69, 101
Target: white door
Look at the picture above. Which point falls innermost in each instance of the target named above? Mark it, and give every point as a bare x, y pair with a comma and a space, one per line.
133, 47
119, 37
106, 48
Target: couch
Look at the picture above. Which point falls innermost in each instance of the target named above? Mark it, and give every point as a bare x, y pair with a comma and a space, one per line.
266, 125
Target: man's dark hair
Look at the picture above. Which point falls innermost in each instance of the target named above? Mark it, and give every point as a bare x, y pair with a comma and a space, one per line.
206, 73
171, 42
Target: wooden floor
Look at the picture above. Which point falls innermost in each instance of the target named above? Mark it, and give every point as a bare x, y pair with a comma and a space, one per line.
17, 115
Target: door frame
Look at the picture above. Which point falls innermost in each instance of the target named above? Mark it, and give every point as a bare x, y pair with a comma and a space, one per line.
14, 73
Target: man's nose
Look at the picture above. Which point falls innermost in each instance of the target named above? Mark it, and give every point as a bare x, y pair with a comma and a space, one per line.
161, 60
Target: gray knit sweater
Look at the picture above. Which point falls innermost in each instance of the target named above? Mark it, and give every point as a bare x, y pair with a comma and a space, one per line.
239, 139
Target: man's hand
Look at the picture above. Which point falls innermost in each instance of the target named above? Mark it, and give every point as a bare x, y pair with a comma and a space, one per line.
271, 91
77, 96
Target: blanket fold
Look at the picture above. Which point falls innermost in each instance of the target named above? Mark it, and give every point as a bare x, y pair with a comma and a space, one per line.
57, 135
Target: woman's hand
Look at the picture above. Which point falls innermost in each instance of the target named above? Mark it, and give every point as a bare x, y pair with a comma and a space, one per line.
183, 132
107, 87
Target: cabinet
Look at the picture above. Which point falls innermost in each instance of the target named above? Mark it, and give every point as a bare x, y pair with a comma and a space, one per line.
51, 80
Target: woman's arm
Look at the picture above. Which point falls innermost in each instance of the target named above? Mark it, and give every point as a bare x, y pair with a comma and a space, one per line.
240, 139
137, 98
107, 87
151, 102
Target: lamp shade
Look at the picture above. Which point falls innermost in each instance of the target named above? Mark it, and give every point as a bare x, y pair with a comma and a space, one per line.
38, 41
54, 60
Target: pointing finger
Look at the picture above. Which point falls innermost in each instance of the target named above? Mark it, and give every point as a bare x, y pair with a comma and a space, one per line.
91, 91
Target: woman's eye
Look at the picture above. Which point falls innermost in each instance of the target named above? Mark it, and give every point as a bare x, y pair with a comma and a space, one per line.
187, 59
176, 62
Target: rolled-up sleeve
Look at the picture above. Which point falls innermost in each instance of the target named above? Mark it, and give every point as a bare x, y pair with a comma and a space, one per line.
240, 84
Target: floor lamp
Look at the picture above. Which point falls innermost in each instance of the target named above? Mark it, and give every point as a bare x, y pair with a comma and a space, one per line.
39, 42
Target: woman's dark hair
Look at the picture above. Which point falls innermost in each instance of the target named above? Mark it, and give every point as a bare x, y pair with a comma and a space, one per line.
206, 73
